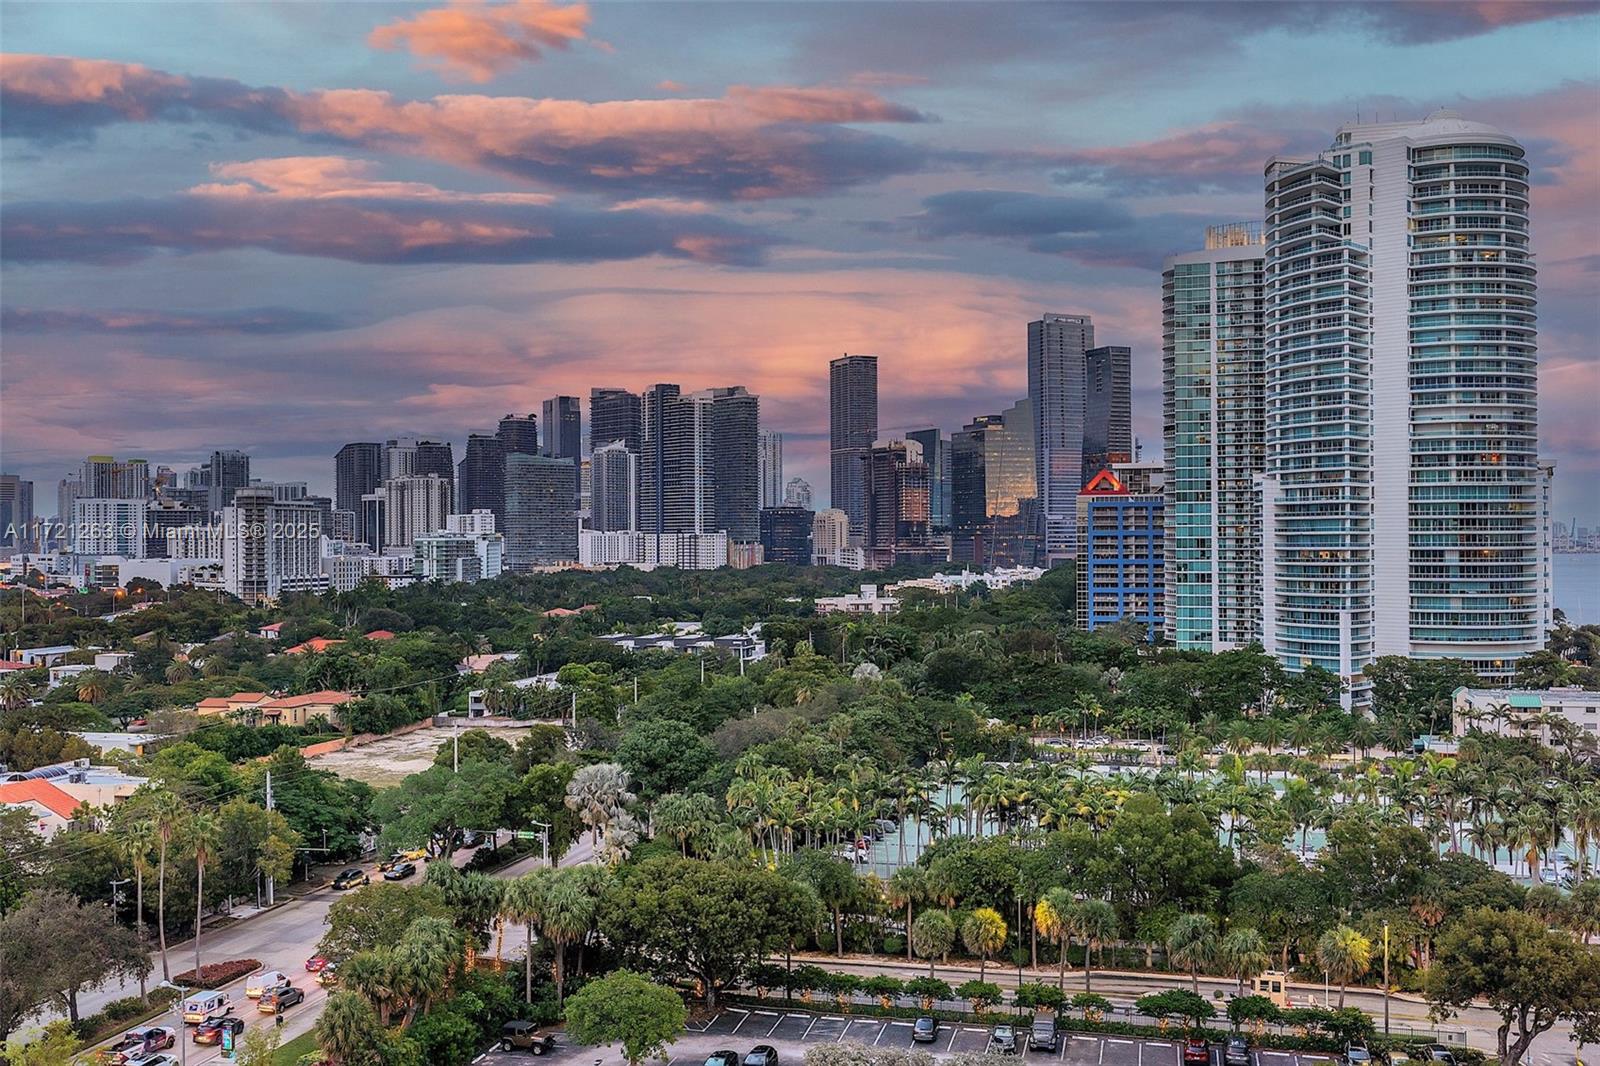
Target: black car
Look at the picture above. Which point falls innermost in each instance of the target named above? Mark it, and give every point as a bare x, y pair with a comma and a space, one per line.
1236, 1052
351, 878
762, 1055
925, 1030
1440, 1053
471, 838
1042, 1035
400, 871
211, 1032
1003, 1040
723, 1058
1196, 1052
525, 1036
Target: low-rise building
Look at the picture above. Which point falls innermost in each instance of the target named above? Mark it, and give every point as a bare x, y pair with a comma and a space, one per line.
686, 551
52, 810
1526, 712
98, 786
477, 704
748, 646
298, 710
238, 705
868, 601
44, 656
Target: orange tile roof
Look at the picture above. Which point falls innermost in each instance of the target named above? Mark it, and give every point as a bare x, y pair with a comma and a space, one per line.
240, 697
310, 699
314, 644
380, 634
41, 792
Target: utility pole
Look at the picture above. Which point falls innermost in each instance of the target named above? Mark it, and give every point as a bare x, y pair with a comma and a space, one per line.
635, 688
455, 749
574, 708
1385, 978
269, 807
116, 895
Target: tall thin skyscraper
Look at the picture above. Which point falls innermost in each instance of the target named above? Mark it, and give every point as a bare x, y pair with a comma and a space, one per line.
736, 462
1056, 348
357, 470
852, 430
16, 512
1107, 408
108, 478
613, 415
898, 528
652, 455
519, 433
414, 506
229, 472
1212, 388
993, 497
613, 488
770, 447
563, 428
687, 471
481, 477
541, 527
1401, 497
936, 453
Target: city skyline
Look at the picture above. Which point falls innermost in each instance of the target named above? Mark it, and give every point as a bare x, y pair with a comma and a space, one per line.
848, 221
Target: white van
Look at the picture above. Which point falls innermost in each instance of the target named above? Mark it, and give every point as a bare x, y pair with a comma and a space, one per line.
205, 1006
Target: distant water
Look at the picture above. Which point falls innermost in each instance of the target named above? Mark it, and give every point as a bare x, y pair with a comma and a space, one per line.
1577, 587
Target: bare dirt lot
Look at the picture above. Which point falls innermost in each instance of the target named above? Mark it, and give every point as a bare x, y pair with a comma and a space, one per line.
385, 762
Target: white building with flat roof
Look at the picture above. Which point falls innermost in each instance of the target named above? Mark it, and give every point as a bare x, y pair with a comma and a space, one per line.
1526, 712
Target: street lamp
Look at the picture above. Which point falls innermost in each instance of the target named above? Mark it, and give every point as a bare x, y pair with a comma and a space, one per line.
177, 1017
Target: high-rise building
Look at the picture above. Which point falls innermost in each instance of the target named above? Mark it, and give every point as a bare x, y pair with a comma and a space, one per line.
1120, 545
769, 445
1213, 392
268, 544
110, 526
786, 535
1401, 493
437, 458
357, 470
227, 472
17, 528
108, 478
994, 517
614, 416
519, 433
481, 477
563, 428
413, 506
541, 523
830, 540
1057, 345
852, 430
936, 453
68, 489
1107, 408
613, 488
898, 529
373, 519
797, 493
163, 516
736, 462
653, 408
467, 549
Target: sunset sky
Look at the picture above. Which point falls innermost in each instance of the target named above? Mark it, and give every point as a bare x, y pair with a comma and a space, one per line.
281, 227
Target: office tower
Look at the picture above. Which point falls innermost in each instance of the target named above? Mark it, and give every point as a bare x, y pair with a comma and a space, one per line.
541, 524
936, 453
769, 446
786, 535
107, 478
563, 428
652, 456
227, 471
163, 516
481, 477
688, 465
613, 488
16, 512
1212, 386
109, 526
413, 506
994, 518
614, 416
357, 470
897, 525
435, 457
1120, 548
399, 457
1056, 365
736, 463
471, 522
852, 430
797, 493
1400, 502
267, 544
830, 538
373, 522
463, 551
519, 433
1107, 408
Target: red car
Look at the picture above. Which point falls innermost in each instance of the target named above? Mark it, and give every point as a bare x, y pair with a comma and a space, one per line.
316, 964
1196, 1052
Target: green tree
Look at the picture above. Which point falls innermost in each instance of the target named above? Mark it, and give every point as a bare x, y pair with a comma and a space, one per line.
202, 833
260, 1047
983, 932
835, 882
1192, 944
933, 934
348, 1031
54, 947
1244, 953
1345, 955
524, 902
167, 815
627, 1008
1094, 923
436, 803
56, 1045
376, 916
569, 913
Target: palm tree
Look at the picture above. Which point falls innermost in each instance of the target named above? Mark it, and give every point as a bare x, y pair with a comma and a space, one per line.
133, 846
1050, 919
599, 793
347, 1029
933, 935
1191, 944
524, 902
166, 816
15, 691
178, 672
908, 887
1244, 953
1094, 923
424, 960
568, 913
983, 933
371, 974
1345, 954
203, 833
93, 686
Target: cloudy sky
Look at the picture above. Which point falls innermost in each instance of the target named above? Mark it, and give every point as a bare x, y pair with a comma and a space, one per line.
281, 227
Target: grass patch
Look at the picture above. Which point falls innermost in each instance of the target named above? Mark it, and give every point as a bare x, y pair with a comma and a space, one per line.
289, 1054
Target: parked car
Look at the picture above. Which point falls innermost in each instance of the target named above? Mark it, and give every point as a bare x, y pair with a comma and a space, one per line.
203, 1007
1236, 1052
414, 854
925, 1029
723, 1058
471, 838
351, 878
400, 871
1196, 1052
1357, 1055
316, 964
211, 1032
387, 864
1042, 1035
1440, 1053
280, 998
145, 1040
154, 1059
265, 981
1003, 1040
525, 1036
1400, 1058
762, 1055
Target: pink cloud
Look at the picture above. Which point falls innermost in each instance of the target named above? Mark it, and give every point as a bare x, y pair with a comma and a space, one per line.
476, 41
337, 177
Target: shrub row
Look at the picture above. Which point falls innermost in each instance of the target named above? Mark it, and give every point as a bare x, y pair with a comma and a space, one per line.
217, 974
122, 1014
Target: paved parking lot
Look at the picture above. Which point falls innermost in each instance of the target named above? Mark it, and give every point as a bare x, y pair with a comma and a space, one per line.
792, 1032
